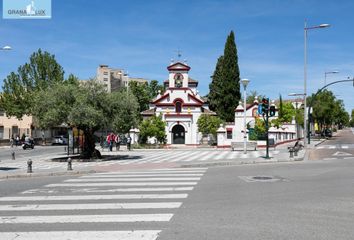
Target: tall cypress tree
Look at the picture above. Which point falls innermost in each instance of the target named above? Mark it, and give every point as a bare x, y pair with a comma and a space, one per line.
215, 87
225, 87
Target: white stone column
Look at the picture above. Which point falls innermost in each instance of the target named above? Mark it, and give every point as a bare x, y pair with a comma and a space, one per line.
221, 135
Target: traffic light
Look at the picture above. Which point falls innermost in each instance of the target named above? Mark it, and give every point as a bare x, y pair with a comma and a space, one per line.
272, 111
260, 112
265, 105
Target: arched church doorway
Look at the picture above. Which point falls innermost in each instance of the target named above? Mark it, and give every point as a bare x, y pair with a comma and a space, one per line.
178, 134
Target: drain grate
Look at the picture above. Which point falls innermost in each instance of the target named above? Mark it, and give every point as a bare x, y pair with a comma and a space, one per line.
261, 178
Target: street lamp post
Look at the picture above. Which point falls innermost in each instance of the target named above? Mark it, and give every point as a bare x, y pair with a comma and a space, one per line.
244, 84
306, 28
331, 72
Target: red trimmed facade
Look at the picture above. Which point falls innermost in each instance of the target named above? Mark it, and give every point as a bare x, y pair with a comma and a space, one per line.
180, 106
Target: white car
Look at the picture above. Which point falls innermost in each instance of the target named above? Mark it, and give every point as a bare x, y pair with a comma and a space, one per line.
59, 140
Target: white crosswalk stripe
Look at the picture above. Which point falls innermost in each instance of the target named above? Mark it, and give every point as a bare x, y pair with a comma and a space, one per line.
337, 146
144, 197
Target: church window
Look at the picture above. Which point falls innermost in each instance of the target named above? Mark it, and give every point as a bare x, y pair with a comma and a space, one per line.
178, 107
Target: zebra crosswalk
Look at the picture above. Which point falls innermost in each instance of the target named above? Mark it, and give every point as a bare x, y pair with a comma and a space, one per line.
94, 206
177, 156
142, 157
336, 146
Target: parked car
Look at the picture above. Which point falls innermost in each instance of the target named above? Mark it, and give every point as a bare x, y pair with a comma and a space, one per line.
61, 140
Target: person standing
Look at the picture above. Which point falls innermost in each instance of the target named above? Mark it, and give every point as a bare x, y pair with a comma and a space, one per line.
129, 141
111, 141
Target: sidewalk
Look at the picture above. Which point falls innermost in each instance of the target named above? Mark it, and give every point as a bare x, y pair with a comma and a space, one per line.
56, 168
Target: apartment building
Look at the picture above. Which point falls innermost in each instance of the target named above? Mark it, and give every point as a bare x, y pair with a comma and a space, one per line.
114, 78
12, 127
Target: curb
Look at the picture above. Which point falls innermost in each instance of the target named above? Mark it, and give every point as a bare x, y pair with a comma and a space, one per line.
49, 174
234, 163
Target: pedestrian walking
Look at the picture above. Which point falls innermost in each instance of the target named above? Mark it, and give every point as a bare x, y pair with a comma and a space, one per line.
12, 142
110, 141
129, 141
17, 141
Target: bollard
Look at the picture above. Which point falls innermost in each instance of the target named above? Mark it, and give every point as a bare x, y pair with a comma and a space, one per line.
29, 166
70, 168
13, 155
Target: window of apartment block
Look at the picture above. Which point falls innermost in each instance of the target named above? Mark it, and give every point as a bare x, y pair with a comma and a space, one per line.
2, 113
105, 73
229, 133
1, 132
105, 79
15, 131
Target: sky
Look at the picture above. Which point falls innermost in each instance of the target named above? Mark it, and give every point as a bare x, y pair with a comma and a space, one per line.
142, 37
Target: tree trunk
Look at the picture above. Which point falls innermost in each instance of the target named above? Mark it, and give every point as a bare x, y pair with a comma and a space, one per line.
89, 150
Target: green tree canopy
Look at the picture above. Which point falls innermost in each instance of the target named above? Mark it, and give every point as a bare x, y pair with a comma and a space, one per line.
145, 92
328, 110
40, 73
83, 106
352, 118
124, 109
153, 127
208, 124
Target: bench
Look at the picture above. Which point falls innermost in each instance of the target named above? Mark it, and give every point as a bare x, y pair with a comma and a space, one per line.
238, 146
293, 150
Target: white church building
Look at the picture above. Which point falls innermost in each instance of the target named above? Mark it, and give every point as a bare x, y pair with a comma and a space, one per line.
180, 106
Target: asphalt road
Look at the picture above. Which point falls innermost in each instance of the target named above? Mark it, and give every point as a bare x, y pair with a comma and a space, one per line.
308, 200
298, 200
38, 151
340, 146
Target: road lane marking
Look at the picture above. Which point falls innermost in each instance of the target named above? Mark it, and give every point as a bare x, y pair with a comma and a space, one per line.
94, 197
341, 154
82, 235
152, 172
98, 190
114, 218
144, 175
134, 179
89, 206
122, 184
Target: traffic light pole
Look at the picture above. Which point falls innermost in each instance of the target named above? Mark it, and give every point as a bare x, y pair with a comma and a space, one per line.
267, 134
266, 111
